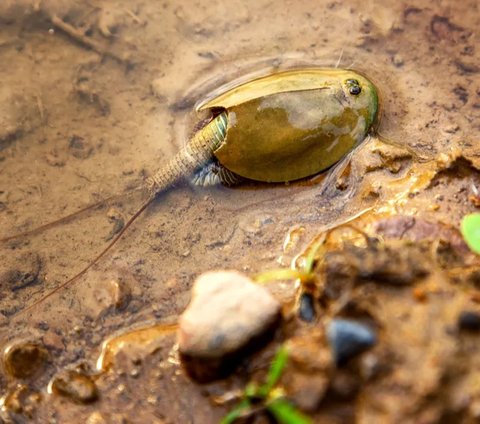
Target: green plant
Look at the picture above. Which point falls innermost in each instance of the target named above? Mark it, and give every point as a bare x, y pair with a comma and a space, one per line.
470, 228
305, 273
268, 396
316, 254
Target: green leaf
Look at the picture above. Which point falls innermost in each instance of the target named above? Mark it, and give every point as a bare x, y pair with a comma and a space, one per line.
275, 371
236, 412
470, 229
286, 413
281, 274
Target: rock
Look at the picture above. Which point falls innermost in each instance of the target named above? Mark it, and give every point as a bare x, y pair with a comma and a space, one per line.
397, 60
53, 341
109, 295
96, 418
348, 339
228, 317
306, 308
24, 271
25, 359
420, 230
469, 321
121, 293
79, 147
74, 385
391, 263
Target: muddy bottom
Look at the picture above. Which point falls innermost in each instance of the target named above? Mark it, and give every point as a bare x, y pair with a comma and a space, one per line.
95, 96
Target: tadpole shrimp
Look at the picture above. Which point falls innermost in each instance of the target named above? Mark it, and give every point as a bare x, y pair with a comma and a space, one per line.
279, 127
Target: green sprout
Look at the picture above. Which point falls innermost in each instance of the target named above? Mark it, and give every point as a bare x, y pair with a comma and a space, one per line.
269, 396
304, 274
316, 254
470, 228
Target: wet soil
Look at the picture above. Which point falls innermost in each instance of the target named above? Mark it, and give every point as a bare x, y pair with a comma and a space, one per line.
95, 95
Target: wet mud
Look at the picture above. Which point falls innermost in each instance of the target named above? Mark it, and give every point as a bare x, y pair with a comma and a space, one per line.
94, 96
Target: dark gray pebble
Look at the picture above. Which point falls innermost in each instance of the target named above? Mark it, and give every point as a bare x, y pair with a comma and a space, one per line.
306, 308
348, 339
469, 320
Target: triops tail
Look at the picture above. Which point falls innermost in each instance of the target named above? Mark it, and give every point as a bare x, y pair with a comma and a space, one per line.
197, 152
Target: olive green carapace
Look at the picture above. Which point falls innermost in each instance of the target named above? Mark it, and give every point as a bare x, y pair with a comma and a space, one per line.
278, 128
293, 124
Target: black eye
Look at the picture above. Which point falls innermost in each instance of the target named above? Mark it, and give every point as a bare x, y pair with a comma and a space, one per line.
355, 90
353, 86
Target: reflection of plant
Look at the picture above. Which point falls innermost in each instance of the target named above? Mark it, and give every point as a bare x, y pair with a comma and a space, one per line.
268, 396
470, 228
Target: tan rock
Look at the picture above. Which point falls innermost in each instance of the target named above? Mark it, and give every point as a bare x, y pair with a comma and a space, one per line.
228, 317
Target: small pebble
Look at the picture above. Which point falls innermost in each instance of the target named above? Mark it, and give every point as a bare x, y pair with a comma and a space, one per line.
348, 339
96, 418
25, 271
121, 293
469, 321
306, 308
451, 129
53, 340
75, 386
23, 360
420, 294
79, 147
228, 317
397, 60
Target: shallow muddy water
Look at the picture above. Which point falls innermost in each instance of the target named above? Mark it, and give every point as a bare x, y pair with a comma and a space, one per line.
78, 125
